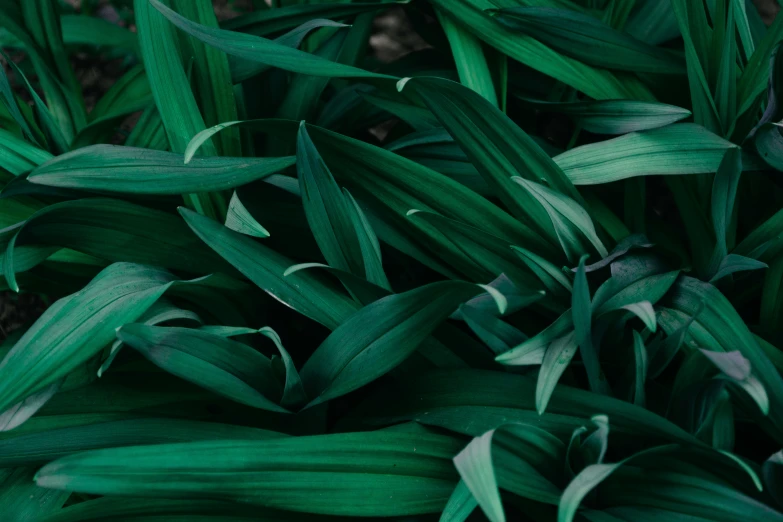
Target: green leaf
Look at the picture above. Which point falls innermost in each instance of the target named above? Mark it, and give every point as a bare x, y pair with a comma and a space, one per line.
345, 362
614, 116
95, 31
472, 66
114, 230
211, 76
228, 368
360, 471
571, 222
473, 401
497, 147
582, 313
735, 263
644, 311
640, 370
23, 501
78, 326
556, 359
303, 292
131, 170
172, 92
724, 191
597, 83
683, 148
509, 455
258, 49
42, 446
738, 370
328, 211
460, 505
239, 219
588, 40
20, 412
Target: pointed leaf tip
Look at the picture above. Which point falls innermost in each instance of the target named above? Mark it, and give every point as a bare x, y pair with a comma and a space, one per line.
401, 84
500, 299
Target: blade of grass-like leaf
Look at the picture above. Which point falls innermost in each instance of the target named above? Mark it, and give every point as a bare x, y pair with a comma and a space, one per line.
556, 359
228, 368
640, 370
614, 116
460, 505
344, 362
571, 222
581, 312
77, 327
211, 76
496, 146
359, 470
726, 81
595, 82
704, 111
588, 40
116, 231
256, 48
95, 31
52, 128
303, 292
173, 95
18, 156
472, 66
368, 243
735, 263
40, 447
326, 208
683, 148
112, 168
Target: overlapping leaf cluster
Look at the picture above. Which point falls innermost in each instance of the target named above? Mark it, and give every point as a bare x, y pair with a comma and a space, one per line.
532, 271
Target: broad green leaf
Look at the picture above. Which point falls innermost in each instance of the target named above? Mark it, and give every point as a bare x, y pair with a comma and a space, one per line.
304, 292
163, 311
344, 361
683, 148
18, 156
589, 40
113, 168
114, 230
347, 474
228, 368
78, 326
614, 116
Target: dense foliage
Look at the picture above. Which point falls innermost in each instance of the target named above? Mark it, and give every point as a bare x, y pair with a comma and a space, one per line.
530, 271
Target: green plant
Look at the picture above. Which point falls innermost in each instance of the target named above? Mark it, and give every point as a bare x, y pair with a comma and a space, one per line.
310, 285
